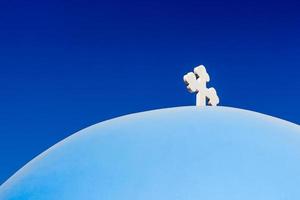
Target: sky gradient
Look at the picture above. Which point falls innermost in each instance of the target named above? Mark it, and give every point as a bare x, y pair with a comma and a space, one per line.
67, 65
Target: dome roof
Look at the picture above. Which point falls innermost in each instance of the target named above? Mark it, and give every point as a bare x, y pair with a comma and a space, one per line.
182, 153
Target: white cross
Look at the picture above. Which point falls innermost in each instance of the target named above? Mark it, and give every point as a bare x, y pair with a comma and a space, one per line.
196, 82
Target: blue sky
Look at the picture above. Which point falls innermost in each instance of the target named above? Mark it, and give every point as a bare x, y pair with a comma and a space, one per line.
67, 65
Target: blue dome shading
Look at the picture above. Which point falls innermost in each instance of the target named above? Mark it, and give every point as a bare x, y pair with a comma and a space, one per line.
183, 153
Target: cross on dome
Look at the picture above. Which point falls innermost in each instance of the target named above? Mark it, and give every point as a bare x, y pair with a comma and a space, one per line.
196, 82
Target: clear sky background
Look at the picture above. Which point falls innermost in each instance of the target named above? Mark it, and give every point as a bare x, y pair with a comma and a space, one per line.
67, 65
